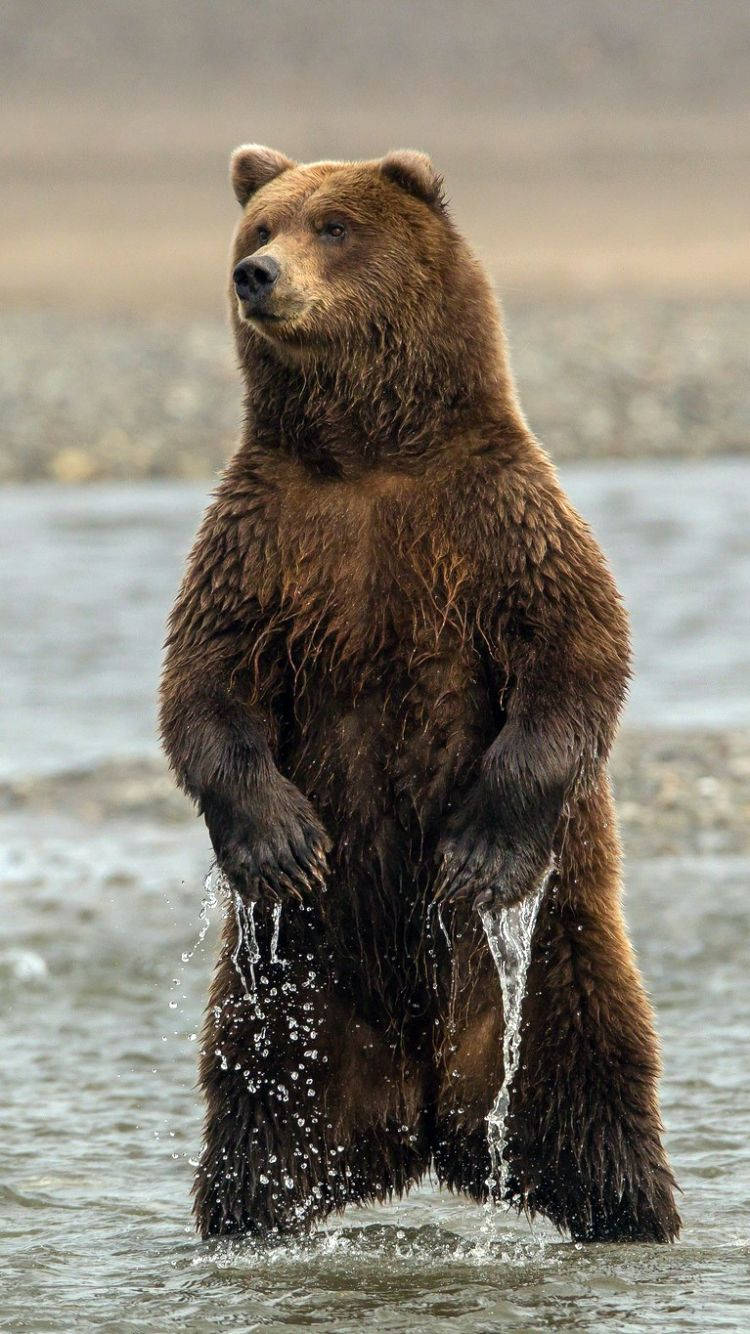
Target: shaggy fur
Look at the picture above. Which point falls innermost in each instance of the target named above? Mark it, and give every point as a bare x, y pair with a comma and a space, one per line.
393, 675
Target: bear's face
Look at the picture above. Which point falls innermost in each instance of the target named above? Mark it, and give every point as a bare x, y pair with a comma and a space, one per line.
337, 254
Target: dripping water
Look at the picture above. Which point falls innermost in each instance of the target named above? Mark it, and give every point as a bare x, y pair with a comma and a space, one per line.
246, 937
509, 933
275, 935
214, 883
444, 930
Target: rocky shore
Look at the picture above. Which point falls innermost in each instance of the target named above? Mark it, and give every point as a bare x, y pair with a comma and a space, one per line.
87, 399
678, 793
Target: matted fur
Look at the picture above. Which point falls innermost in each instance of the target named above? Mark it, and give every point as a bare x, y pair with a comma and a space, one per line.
394, 670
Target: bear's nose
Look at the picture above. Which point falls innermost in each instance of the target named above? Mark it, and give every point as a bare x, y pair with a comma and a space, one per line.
254, 277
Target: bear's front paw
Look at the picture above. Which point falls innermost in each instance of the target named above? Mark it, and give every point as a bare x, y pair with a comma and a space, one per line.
272, 848
478, 862
475, 865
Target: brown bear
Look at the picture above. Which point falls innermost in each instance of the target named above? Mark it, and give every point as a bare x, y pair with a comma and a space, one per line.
393, 675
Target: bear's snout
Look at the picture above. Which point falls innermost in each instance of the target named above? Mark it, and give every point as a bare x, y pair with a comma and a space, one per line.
254, 279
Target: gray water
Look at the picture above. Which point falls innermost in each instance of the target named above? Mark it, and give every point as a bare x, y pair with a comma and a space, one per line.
99, 1115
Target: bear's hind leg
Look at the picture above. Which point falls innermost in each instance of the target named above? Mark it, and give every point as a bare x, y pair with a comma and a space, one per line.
470, 1071
307, 1109
585, 1145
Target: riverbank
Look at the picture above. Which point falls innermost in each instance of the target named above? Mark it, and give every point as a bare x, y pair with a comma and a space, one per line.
613, 376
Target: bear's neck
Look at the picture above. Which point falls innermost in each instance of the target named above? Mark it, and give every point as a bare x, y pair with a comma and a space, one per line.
398, 405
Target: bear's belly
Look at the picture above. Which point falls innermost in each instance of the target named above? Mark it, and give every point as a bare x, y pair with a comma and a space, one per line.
383, 772
385, 743
389, 762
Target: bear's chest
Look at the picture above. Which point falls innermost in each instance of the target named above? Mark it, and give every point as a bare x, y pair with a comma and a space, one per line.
370, 574
379, 608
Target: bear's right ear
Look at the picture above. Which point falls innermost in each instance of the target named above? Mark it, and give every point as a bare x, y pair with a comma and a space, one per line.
413, 171
253, 165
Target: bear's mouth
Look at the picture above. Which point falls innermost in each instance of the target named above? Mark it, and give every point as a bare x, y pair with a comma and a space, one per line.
266, 320
264, 315
252, 315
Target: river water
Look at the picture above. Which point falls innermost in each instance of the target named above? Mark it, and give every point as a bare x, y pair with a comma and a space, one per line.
98, 1011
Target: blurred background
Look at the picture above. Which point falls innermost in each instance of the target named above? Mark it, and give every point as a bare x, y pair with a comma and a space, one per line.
597, 155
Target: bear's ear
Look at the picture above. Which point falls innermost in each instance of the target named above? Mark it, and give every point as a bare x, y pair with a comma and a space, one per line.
414, 172
253, 165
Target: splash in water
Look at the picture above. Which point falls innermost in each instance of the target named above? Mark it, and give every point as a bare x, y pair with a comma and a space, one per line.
214, 884
509, 933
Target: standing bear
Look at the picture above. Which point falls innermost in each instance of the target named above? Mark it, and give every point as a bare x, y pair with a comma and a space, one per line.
393, 675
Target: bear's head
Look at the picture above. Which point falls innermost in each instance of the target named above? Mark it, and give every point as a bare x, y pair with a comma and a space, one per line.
354, 298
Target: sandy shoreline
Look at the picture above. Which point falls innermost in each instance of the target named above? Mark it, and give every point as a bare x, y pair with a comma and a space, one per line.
678, 793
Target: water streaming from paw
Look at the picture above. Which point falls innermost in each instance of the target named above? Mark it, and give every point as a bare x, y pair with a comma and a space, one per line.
247, 940
509, 933
275, 935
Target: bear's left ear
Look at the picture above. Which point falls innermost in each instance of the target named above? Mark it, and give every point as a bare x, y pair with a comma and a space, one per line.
253, 165
414, 172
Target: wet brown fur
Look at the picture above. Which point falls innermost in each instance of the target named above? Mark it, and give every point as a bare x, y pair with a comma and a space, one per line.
397, 646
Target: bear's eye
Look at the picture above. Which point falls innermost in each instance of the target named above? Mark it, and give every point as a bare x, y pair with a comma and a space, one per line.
263, 235
333, 230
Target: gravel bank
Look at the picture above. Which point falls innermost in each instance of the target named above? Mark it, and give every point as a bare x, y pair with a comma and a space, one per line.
88, 399
678, 793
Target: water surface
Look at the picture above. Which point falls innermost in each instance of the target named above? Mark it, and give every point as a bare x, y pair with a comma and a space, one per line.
98, 1012
101, 1120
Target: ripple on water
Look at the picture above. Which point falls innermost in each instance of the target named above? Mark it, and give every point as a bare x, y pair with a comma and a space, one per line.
22, 965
